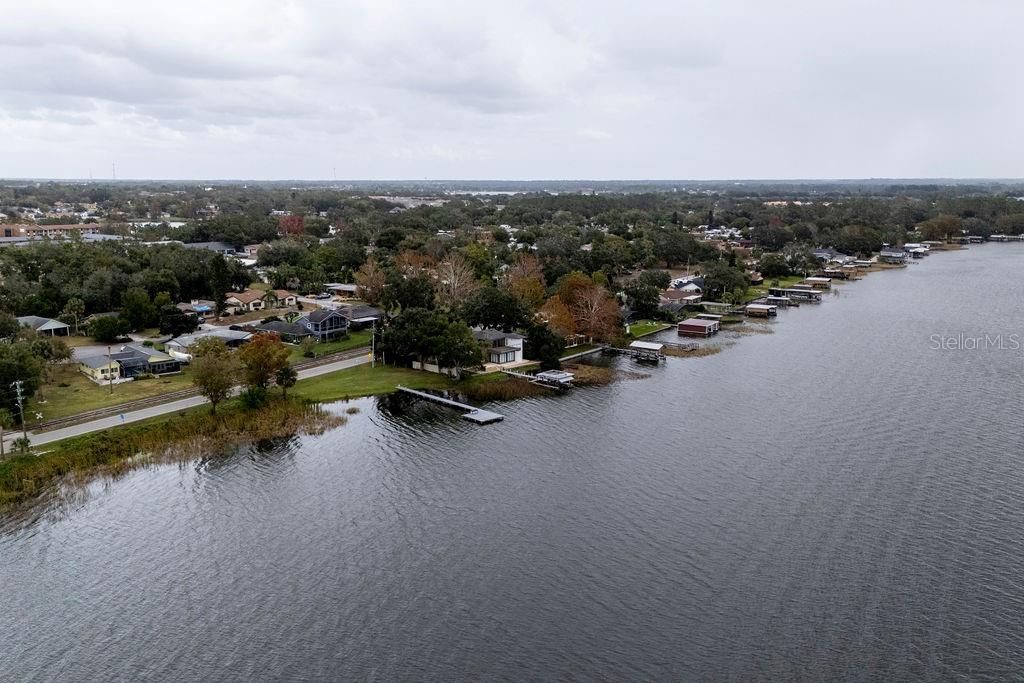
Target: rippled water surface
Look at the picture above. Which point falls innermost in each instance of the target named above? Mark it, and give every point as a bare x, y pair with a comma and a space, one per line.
836, 499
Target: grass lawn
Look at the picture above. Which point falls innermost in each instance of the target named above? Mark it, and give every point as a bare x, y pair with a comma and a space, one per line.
363, 380
354, 341
642, 327
82, 394
762, 289
579, 348
78, 340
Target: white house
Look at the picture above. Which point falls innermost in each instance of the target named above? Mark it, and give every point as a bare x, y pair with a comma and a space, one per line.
500, 347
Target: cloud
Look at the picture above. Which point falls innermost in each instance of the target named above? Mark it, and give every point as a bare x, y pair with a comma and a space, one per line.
386, 88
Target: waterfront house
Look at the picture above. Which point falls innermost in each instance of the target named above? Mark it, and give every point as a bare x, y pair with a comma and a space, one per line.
500, 347
180, 347
242, 302
698, 327
45, 326
325, 324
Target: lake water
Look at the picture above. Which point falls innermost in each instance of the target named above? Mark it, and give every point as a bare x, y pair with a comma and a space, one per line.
836, 500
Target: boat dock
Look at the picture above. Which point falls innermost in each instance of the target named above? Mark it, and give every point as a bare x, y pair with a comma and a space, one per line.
553, 379
473, 414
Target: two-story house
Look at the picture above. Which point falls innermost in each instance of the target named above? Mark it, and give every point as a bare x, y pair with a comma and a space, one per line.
325, 324
500, 347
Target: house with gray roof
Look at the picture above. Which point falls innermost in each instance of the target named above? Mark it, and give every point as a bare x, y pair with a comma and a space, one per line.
128, 362
179, 347
47, 326
500, 347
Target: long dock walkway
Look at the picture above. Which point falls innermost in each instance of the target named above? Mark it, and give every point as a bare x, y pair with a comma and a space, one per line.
473, 414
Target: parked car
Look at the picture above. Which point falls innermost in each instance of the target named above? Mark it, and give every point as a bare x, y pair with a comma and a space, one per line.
323, 295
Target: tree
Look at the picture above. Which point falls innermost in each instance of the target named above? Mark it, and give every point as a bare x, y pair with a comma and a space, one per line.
286, 377
52, 351
175, 322
455, 281
497, 308
220, 281
596, 313
656, 278
261, 358
109, 329
413, 333
18, 363
544, 345
457, 348
773, 265
370, 281
214, 370
858, 239
9, 326
137, 309
643, 298
720, 277
73, 312
943, 227
416, 291
573, 287
559, 317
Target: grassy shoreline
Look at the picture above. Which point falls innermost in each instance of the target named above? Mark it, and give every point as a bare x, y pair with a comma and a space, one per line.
176, 435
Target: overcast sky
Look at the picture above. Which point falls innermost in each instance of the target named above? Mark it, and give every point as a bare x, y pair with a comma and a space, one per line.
383, 89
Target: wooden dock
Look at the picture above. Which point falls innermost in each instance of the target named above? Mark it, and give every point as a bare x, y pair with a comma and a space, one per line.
473, 414
560, 384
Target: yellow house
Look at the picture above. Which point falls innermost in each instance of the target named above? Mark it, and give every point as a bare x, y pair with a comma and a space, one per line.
100, 368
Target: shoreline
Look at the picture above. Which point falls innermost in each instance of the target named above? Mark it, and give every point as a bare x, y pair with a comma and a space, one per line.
120, 448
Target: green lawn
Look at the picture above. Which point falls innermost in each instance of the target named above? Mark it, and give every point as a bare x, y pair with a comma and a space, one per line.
762, 289
82, 394
579, 348
642, 327
354, 341
363, 380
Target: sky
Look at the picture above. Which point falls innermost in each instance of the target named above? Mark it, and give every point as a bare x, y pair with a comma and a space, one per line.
565, 89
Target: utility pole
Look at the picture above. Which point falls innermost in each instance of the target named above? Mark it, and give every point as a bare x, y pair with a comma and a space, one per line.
21, 406
110, 378
373, 345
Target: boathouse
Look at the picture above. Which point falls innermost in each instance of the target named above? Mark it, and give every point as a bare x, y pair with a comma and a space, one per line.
698, 327
762, 310
646, 351
819, 282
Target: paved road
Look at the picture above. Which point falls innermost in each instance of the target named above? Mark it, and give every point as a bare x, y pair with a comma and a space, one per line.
164, 408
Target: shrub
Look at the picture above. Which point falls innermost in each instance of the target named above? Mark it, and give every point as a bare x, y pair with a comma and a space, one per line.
147, 343
254, 397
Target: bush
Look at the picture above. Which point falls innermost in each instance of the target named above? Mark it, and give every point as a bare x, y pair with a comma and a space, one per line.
253, 397
147, 343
